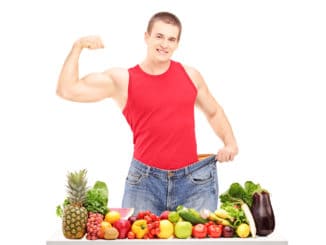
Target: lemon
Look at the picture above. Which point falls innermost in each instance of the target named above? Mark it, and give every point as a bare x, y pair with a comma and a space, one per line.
243, 230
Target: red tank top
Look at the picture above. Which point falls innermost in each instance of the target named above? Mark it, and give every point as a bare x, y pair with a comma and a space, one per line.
160, 112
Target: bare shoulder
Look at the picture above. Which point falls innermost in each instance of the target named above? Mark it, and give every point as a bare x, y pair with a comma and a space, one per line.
120, 80
118, 75
194, 75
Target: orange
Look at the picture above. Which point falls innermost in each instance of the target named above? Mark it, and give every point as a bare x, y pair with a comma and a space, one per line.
112, 216
104, 225
124, 212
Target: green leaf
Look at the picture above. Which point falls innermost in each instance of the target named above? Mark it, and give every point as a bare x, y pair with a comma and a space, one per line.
59, 211
97, 198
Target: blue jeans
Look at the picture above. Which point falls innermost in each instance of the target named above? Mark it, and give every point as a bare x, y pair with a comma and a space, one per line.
148, 188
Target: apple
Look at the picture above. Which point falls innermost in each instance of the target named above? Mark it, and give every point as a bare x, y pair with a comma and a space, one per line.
199, 231
123, 226
132, 218
183, 229
165, 214
166, 229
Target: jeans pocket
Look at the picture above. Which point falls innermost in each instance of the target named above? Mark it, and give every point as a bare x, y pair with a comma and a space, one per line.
134, 176
202, 175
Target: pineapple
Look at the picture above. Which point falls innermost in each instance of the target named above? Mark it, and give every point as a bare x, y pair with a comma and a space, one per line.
74, 218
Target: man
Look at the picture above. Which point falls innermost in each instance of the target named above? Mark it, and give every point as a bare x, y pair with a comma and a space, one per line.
157, 98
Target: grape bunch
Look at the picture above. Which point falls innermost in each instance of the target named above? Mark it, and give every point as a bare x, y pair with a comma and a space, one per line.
93, 225
153, 223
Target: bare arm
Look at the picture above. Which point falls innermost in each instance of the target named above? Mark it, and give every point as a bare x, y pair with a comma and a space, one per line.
215, 116
92, 87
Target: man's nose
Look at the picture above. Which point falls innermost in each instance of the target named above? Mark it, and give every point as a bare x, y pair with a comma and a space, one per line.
164, 43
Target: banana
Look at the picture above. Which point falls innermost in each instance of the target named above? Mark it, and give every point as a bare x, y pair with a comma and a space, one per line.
223, 214
219, 220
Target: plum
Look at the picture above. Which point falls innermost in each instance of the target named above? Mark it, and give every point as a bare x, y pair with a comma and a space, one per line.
228, 231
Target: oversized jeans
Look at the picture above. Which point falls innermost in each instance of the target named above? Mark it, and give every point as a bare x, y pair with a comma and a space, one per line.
149, 188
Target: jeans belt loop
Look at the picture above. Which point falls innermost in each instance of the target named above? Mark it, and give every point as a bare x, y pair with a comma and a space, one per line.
186, 170
148, 170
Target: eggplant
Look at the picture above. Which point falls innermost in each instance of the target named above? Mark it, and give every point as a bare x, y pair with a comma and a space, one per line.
262, 212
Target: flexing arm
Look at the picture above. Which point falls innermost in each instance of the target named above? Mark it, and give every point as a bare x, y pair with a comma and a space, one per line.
215, 116
93, 87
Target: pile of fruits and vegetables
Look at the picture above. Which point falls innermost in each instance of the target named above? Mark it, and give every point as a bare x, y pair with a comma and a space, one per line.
245, 211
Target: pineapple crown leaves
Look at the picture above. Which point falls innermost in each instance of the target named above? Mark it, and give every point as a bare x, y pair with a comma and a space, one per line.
77, 187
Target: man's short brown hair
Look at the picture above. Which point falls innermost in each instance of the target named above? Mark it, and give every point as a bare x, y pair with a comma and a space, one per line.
167, 18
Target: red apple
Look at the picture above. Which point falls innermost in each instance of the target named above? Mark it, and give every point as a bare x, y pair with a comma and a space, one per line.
165, 214
123, 226
132, 219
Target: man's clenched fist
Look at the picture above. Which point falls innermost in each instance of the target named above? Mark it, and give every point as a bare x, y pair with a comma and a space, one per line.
90, 42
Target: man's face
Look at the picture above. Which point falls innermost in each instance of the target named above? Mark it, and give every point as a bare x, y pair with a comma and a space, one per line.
162, 41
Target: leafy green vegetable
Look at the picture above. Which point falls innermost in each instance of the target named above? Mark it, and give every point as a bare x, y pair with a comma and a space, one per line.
251, 188
102, 187
59, 211
236, 212
97, 198
60, 208
237, 194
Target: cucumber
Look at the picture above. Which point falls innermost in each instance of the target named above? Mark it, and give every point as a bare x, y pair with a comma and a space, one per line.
191, 215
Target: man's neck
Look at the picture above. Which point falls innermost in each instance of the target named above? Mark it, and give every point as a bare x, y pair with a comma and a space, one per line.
155, 67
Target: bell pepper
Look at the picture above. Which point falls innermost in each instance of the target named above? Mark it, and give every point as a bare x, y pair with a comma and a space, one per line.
139, 227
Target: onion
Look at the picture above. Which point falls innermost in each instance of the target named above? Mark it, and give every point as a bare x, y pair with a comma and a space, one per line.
204, 213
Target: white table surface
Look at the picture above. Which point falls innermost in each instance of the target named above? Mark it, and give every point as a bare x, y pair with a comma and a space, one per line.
272, 239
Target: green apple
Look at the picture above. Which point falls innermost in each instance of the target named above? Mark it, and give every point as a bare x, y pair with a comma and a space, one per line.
183, 229
174, 217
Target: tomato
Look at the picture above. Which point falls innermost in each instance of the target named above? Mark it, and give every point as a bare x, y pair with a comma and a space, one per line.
141, 215
210, 223
100, 234
199, 231
148, 218
214, 231
131, 235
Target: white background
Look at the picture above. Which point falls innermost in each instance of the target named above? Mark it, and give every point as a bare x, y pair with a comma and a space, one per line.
264, 61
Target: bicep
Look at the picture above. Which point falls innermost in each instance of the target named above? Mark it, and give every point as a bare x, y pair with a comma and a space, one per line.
93, 87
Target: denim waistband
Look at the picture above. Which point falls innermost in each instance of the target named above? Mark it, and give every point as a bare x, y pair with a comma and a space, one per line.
148, 170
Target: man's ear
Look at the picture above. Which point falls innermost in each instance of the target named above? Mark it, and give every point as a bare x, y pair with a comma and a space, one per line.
146, 36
